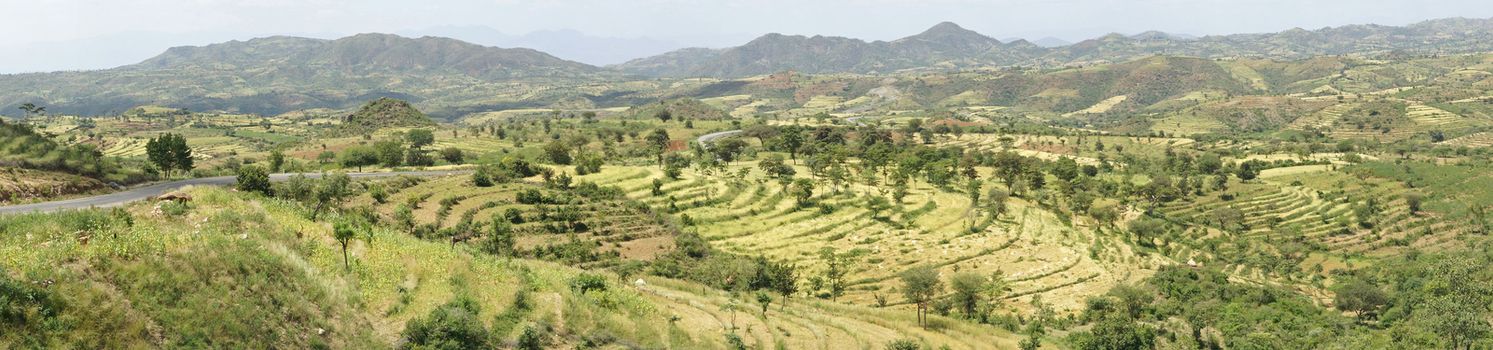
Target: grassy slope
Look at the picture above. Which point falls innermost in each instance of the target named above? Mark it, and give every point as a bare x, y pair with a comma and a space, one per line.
243, 271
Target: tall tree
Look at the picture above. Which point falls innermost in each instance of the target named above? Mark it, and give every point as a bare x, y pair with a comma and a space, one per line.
920, 285
169, 152
969, 292
836, 267
658, 141
359, 156
419, 138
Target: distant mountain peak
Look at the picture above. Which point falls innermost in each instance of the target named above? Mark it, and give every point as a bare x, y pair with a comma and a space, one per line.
948, 31
946, 27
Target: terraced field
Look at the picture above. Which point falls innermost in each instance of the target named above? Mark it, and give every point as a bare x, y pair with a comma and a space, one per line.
616, 225
1317, 204
1038, 252
1323, 119
1481, 139
1431, 116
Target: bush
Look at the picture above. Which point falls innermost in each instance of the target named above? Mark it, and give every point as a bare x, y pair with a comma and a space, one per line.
454, 325
378, 193
903, 344
174, 208
586, 282
514, 215
254, 178
453, 155
531, 339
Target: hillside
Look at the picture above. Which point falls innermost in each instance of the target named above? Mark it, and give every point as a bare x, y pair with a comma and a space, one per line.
280, 74
236, 270
382, 113
947, 45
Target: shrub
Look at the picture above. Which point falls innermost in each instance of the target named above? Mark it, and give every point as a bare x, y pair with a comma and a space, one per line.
174, 208
531, 339
451, 326
586, 282
903, 344
254, 178
378, 193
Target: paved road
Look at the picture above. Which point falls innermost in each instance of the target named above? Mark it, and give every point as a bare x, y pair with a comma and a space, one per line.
711, 137
145, 192
149, 191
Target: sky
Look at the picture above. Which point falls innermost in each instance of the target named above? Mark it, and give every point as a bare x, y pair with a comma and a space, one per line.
44, 35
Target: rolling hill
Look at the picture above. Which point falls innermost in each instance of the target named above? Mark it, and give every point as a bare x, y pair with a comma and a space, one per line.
950, 46
279, 74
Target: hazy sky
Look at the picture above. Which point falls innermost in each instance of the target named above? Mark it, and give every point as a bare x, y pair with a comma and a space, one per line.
48, 30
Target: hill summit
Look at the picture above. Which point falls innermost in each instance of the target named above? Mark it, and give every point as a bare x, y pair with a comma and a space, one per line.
383, 113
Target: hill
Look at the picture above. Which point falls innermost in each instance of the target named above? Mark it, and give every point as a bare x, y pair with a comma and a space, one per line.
382, 113
279, 74
230, 269
947, 45
677, 109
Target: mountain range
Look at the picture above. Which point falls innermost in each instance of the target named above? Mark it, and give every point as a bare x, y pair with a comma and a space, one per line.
449, 77
949, 45
279, 74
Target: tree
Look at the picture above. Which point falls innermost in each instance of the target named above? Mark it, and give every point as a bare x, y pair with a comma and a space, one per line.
658, 141
1413, 201
803, 192
1114, 332
836, 267
31, 109
969, 291
455, 325
664, 115
483, 176
920, 285
359, 156
417, 157
277, 161
1249, 170
784, 280
419, 138
1362, 299
557, 152
390, 152
791, 139
453, 155
727, 150
764, 299
326, 157
500, 239
1065, 168
253, 178
330, 192
876, 205
344, 231
169, 151
995, 202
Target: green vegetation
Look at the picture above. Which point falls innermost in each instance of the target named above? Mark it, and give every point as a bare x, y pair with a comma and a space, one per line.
1159, 202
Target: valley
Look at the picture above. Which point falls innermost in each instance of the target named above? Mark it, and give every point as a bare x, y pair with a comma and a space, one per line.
1302, 189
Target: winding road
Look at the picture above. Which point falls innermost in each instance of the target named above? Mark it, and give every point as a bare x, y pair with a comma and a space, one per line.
711, 137
153, 190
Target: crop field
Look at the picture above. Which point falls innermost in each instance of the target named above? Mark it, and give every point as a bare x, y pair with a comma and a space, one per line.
1101, 106
1186, 124
751, 216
